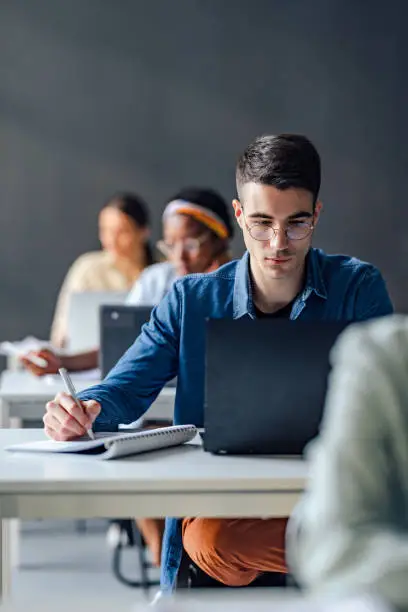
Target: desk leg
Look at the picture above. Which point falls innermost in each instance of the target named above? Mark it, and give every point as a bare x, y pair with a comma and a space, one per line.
5, 560
13, 531
4, 414
5, 526
5, 565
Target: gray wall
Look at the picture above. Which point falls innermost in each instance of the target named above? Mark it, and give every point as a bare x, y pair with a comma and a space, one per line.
151, 95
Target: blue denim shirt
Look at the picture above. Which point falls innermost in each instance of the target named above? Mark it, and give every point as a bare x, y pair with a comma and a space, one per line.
173, 344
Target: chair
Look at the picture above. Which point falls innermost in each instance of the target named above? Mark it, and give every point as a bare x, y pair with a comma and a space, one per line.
130, 537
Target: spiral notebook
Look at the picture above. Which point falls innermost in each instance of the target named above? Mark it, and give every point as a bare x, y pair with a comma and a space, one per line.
114, 445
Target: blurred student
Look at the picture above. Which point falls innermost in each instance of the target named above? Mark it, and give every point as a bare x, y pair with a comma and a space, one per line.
350, 532
197, 229
124, 230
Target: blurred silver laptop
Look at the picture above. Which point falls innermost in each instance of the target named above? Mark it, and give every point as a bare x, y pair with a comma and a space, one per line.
83, 317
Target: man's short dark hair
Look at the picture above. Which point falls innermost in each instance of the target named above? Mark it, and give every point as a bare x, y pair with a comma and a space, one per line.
284, 161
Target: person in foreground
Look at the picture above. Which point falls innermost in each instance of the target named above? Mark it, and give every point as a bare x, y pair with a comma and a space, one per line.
350, 532
197, 230
280, 275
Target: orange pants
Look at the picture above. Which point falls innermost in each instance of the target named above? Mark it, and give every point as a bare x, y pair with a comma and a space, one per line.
236, 551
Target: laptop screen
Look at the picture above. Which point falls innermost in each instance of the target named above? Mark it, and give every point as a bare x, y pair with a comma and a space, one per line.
266, 383
119, 328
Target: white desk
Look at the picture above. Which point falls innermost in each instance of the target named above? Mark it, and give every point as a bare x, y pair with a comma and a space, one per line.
24, 396
248, 600
266, 600
275, 601
183, 481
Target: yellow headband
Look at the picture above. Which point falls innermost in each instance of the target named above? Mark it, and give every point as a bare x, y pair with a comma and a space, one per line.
200, 213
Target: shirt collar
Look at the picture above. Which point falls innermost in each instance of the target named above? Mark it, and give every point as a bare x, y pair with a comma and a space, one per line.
314, 276
242, 300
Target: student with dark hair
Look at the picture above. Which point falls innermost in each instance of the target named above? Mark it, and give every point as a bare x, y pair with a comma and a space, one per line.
267, 161
280, 275
124, 230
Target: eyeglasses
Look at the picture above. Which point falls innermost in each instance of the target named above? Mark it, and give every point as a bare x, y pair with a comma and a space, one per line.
189, 245
296, 230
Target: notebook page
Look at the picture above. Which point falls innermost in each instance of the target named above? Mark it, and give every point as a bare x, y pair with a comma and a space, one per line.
74, 446
103, 441
51, 446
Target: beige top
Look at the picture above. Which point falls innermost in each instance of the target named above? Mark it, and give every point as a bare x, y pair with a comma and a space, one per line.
93, 271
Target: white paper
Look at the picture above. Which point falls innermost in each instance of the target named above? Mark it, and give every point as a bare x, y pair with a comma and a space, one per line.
51, 446
74, 446
22, 347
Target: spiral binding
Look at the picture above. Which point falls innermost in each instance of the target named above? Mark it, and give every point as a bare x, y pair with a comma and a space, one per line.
151, 433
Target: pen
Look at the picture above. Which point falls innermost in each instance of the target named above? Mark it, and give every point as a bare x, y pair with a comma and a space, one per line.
69, 385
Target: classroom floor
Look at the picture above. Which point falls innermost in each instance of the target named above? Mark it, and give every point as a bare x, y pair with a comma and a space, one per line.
55, 559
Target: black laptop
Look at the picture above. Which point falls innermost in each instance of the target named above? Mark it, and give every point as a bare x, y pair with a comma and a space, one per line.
265, 384
119, 328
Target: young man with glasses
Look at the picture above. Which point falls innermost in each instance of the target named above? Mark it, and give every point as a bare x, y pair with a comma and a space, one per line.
278, 182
